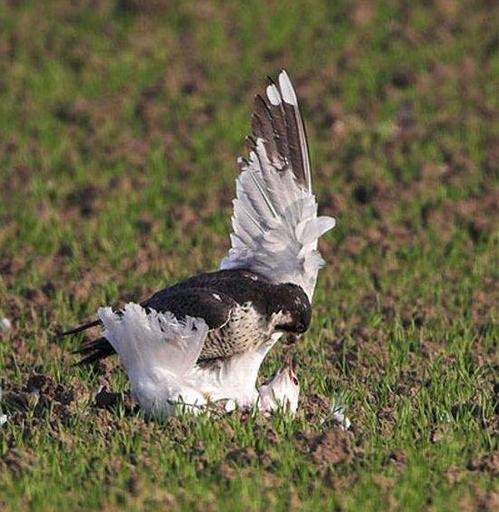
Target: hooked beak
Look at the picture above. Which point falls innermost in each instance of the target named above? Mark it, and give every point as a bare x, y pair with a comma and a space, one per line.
289, 360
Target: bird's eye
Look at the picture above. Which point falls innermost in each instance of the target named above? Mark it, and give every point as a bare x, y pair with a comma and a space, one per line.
295, 381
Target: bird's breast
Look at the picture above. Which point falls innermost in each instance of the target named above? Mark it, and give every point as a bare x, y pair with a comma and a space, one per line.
246, 329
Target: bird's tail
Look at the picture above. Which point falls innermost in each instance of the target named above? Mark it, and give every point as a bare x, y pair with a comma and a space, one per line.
93, 350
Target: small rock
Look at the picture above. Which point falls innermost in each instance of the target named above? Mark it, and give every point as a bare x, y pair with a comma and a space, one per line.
3, 419
230, 406
105, 399
40, 383
5, 324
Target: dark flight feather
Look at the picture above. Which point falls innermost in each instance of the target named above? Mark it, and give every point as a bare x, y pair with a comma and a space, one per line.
277, 121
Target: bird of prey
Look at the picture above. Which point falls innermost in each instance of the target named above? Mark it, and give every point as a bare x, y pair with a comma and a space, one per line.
205, 338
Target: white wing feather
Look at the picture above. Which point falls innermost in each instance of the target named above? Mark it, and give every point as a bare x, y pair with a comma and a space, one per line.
150, 343
275, 224
157, 352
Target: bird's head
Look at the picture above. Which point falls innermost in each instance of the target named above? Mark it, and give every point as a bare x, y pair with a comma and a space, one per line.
292, 308
282, 390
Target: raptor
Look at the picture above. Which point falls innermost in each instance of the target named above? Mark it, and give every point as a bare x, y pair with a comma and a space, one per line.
205, 338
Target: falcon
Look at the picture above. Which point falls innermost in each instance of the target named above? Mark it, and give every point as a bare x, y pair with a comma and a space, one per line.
205, 338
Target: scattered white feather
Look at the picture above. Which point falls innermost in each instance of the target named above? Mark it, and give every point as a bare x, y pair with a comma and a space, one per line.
337, 410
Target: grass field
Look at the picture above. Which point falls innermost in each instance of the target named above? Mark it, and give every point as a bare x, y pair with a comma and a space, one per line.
120, 123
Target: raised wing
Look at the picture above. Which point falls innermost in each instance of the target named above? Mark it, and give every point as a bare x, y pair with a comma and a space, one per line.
275, 222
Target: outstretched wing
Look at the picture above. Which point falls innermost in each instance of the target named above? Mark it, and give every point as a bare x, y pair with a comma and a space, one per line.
275, 222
